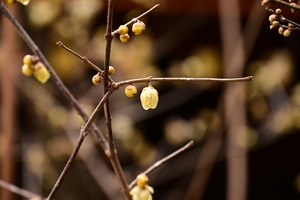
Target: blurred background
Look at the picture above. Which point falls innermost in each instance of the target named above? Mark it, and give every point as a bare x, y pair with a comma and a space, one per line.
246, 135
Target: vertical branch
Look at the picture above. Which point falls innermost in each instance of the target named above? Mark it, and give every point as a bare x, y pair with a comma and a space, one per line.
210, 149
112, 153
8, 104
234, 60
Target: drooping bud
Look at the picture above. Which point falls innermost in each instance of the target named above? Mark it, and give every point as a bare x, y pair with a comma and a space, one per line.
41, 73
280, 30
96, 79
142, 191
142, 180
272, 17
287, 33
111, 70
24, 2
130, 91
124, 38
27, 70
28, 60
122, 30
138, 27
149, 98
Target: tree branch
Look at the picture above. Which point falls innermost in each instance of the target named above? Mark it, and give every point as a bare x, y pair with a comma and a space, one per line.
165, 159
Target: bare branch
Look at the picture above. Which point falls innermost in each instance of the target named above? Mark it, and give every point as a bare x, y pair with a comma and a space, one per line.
83, 58
136, 18
182, 79
17, 190
165, 159
286, 4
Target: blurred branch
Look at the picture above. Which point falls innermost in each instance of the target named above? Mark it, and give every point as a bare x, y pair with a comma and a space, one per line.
165, 159
286, 4
17, 190
8, 104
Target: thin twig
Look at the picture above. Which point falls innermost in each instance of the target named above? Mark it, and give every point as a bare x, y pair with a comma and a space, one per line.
17, 190
83, 58
174, 79
136, 18
82, 135
165, 159
286, 4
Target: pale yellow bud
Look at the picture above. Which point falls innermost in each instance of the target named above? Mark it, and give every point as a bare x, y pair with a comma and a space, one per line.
122, 30
111, 70
124, 38
149, 98
138, 27
130, 90
287, 32
96, 79
28, 60
26, 70
142, 180
41, 73
24, 2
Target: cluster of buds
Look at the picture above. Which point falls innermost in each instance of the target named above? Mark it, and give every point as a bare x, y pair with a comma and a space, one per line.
142, 191
275, 20
149, 96
24, 2
31, 66
98, 77
137, 28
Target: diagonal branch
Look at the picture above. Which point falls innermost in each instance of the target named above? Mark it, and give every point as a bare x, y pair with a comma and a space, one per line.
165, 159
75, 104
17, 190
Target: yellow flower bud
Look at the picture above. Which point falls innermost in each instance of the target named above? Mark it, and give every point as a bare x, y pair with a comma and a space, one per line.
280, 30
138, 27
122, 30
142, 191
149, 98
41, 73
96, 79
142, 180
26, 70
124, 38
28, 60
24, 2
287, 32
10, 2
130, 91
111, 70
272, 17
